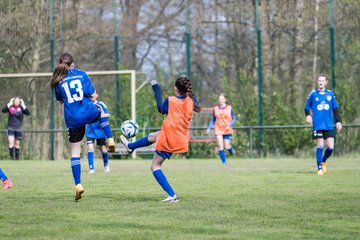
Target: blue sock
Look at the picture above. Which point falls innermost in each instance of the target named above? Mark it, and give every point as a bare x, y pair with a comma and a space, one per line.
105, 157
222, 156
327, 154
231, 151
105, 125
319, 151
161, 179
76, 169
139, 143
3, 177
91, 159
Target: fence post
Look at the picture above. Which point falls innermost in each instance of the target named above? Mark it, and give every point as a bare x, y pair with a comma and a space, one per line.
251, 142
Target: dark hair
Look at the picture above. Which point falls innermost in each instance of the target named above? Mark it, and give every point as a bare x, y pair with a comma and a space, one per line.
183, 85
61, 70
322, 75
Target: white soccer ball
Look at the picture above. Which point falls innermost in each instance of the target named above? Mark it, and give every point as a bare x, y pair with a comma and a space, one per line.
129, 128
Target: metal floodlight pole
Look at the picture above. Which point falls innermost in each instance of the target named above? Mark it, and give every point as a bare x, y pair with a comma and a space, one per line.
332, 45
260, 111
187, 39
52, 104
117, 78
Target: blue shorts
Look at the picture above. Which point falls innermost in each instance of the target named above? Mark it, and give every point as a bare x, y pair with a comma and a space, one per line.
163, 154
227, 137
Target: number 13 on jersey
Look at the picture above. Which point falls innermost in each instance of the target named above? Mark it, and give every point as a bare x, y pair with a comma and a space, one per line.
75, 84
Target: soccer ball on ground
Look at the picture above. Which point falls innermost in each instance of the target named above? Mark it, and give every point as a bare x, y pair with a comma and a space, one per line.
129, 128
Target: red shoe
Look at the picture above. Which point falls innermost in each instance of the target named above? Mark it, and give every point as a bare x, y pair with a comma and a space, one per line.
7, 184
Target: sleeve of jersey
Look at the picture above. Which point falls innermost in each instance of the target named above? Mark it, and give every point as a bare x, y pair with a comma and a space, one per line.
308, 103
165, 106
58, 94
158, 97
196, 101
89, 87
334, 103
233, 118
104, 107
26, 111
212, 122
5, 109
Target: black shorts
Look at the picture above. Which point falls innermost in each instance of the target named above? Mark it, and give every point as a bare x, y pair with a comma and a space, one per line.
76, 134
99, 141
323, 134
17, 134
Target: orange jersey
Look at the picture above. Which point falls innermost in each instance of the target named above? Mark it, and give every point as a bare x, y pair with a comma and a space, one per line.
223, 119
174, 133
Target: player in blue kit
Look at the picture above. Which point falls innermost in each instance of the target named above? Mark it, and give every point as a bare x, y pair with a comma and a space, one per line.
74, 89
95, 132
322, 103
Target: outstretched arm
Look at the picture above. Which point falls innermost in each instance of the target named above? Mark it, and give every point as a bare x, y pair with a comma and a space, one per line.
157, 92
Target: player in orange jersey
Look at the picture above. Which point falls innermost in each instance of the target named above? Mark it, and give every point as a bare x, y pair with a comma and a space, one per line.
223, 119
174, 133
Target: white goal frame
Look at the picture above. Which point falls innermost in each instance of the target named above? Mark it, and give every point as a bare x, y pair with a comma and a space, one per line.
132, 74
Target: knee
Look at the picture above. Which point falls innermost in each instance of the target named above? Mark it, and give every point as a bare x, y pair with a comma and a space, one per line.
152, 137
153, 168
319, 145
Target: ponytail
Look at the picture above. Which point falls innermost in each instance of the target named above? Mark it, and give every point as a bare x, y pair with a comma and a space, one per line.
65, 61
189, 92
58, 75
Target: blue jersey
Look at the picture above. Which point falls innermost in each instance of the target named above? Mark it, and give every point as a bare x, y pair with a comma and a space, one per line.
75, 91
94, 130
322, 105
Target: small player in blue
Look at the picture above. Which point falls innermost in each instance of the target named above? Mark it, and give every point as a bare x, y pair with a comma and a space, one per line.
95, 132
322, 103
6, 182
74, 89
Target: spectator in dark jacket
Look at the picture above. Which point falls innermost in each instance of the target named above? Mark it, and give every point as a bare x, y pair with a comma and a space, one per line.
16, 109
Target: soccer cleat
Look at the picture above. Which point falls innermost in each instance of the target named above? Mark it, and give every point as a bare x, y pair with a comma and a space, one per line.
324, 167
111, 145
79, 190
171, 199
106, 169
320, 172
7, 184
125, 142
91, 171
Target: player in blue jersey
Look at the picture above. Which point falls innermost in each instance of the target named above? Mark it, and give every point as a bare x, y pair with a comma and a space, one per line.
322, 103
95, 132
74, 89
6, 182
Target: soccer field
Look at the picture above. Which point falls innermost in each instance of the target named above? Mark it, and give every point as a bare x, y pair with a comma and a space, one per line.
247, 199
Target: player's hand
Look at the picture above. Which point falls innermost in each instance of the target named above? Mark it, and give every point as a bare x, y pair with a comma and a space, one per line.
208, 131
153, 82
10, 103
308, 120
338, 126
22, 104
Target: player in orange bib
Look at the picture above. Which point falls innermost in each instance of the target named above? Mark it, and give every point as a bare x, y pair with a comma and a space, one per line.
223, 119
174, 133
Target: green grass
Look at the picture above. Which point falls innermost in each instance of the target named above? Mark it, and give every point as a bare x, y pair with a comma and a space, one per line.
248, 199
